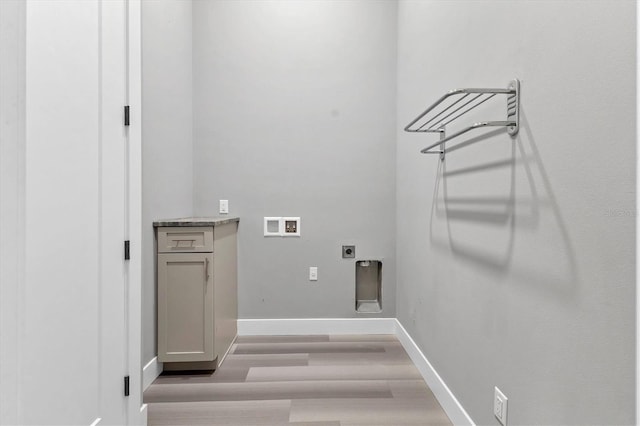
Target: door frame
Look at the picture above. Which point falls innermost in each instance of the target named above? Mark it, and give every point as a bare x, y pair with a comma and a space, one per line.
637, 212
136, 410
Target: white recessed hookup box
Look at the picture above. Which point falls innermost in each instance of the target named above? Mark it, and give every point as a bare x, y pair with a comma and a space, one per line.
281, 226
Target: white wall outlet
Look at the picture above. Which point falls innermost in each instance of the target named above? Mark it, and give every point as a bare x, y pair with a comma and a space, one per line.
500, 406
313, 273
224, 206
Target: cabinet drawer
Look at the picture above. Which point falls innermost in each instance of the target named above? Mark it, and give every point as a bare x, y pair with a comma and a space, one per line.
185, 239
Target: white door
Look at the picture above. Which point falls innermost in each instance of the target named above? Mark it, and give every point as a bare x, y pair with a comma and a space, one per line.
114, 212
64, 354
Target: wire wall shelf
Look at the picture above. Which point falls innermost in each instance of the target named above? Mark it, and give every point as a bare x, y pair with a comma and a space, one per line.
441, 113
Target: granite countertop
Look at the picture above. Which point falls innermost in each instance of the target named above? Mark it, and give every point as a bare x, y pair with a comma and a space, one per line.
196, 221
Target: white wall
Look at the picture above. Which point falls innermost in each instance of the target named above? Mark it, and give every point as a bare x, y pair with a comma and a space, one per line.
637, 222
12, 166
294, 115
72, 293
167, 174
516, 265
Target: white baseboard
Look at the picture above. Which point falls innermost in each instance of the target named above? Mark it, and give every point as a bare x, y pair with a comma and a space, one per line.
143, 415
279, 327
150, 372
443, 394
221, 360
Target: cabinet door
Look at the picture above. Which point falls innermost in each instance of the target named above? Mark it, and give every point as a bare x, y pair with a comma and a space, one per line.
185, 307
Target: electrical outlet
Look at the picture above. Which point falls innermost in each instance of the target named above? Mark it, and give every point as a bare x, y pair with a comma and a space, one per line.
500, 406
224, 206
313, 273
348, 252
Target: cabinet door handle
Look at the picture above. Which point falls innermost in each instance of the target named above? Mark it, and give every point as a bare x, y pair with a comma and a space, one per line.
206, 268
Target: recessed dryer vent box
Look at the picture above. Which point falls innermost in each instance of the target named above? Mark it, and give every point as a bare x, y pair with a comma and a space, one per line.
368, 286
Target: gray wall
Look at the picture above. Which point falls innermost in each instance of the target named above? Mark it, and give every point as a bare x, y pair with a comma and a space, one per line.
167, 177
516, 259
294, 115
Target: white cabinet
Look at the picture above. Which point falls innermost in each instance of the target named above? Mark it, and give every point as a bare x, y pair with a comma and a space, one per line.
225, 287
197, 292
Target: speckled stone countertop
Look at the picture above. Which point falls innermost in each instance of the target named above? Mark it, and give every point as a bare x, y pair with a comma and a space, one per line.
196, 221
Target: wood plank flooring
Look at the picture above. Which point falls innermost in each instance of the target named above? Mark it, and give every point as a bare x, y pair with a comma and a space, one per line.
355, 380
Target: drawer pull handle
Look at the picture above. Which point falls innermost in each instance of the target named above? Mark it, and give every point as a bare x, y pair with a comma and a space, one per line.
191, 241
206, 269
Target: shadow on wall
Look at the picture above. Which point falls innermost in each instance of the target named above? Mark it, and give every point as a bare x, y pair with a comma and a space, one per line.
486, 213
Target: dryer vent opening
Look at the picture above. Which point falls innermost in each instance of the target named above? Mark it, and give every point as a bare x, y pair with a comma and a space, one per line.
369, 286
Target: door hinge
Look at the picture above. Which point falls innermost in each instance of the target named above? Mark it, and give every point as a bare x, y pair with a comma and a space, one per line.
126, 115
126, 385
127, 254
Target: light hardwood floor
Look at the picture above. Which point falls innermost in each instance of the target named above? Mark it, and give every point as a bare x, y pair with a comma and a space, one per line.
363, 380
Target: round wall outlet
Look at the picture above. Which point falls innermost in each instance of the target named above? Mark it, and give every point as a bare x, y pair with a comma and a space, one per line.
348, 252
